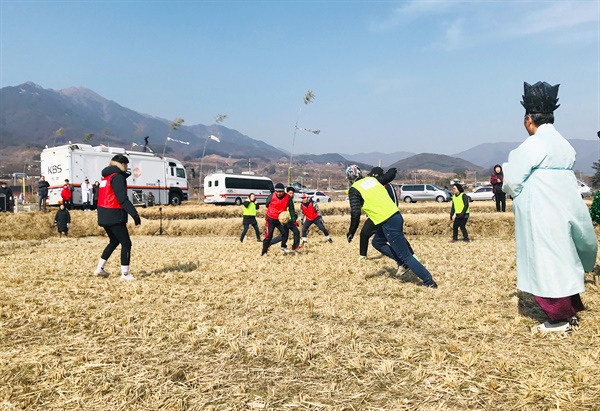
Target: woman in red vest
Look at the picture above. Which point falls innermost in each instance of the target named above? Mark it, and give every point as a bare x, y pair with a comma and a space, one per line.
113, 208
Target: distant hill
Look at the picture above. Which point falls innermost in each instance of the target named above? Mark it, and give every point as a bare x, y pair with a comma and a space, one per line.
332, 158
375, 157
31, 116
488, 154
436, 162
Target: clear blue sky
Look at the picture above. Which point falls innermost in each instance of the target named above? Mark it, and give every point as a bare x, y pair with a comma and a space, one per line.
420, 76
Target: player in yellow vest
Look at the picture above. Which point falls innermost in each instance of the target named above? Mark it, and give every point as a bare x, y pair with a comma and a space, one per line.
368, 194
249, 218
460, 206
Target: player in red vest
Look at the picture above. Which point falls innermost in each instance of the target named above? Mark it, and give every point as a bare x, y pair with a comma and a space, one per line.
312, 215
277, 203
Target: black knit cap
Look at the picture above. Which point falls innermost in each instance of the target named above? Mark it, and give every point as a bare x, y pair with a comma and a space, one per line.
541, 98
376, 170
120, 158
279, 187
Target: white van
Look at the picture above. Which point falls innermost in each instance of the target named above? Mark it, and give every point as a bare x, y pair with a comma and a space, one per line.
224, 188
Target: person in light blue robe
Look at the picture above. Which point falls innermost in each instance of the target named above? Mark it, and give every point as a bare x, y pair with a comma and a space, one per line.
555, 239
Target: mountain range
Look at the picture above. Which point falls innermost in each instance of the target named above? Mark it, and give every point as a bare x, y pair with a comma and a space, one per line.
31, 116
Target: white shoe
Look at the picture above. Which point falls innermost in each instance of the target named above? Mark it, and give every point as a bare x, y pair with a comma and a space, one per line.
561, 327
127, 277
101, 273
285, 250
401, 271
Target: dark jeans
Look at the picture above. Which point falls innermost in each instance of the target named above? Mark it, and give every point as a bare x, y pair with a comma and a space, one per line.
42, 202
500, 201
391, 232
118, 234
68, 204
254, 224
273, 223
460, 223
291, 227
318, 222
367, 231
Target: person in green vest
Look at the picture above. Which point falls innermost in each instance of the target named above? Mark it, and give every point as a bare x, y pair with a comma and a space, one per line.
460, 207
369, 195
250, 208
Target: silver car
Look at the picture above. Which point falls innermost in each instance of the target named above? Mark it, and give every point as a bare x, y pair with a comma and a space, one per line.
411, 193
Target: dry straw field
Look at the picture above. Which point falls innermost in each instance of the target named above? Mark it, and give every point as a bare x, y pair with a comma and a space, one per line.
211, 325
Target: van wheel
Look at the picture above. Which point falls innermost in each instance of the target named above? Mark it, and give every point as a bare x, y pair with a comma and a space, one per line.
439, 199
407, 199
238, 201
175, 199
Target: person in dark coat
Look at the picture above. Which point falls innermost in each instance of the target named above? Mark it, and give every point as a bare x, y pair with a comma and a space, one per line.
7, 204
113, 207
62, 220
43, 186
496, 181
95, 188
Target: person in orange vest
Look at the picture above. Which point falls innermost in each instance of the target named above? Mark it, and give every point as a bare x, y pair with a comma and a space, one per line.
113, 208
278, 203
312, 215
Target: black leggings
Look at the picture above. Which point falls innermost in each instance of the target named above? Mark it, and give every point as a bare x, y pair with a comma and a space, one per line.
118, 234
500, 201
460, 223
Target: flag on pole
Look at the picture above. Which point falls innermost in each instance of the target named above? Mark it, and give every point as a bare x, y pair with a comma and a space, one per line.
214, 138
177, 141
309, 130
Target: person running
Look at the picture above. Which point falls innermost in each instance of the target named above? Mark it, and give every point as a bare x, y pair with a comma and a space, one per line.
555, 238
278, 203
249, 219
113, 208
369, 229
460, 207
368, 194
312, 215
292, 224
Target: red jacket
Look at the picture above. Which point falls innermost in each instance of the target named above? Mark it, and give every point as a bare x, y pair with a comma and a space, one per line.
106, 194
66, 193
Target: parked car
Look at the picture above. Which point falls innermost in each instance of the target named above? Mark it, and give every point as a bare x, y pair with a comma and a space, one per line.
584, 189
317, 196
411, 193
482, 193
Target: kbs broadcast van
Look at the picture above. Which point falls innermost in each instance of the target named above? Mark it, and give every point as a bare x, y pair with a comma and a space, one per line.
154, 179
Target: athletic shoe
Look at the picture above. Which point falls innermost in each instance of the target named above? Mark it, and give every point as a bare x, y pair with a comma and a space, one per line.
362, 258
466, 240
403, 269
433, 284
453, 241
127, 277
574, 321
558, 327
259, 240
101, 273
329, 240
285, 250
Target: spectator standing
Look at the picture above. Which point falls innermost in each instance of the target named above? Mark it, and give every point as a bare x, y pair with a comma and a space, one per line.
496, 181
67, 195
95, 188
86, 195
368, 194
43, 186
460, 206
278, 203
113, 208
312, 215
249, 219
555, 238
8, 197
62, 220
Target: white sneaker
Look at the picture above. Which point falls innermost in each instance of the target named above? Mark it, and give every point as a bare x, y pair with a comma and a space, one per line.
101, 273
402, 270
562, 327
285, 250
127, 277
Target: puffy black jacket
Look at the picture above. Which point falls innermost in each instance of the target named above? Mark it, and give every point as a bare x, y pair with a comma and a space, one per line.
114, 216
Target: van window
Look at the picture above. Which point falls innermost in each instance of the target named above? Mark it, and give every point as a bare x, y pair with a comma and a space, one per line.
216, 183
209, 183
430, 187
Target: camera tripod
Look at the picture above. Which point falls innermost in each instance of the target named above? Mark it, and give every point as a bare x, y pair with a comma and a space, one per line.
160, 229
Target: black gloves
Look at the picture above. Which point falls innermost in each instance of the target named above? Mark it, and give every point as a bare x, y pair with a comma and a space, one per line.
137, 220
349, 237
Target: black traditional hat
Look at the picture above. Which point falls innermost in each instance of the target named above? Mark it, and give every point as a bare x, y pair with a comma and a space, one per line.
540, 98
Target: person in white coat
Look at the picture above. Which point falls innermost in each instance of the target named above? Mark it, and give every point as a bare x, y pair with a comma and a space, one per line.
555, 238
86, 195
